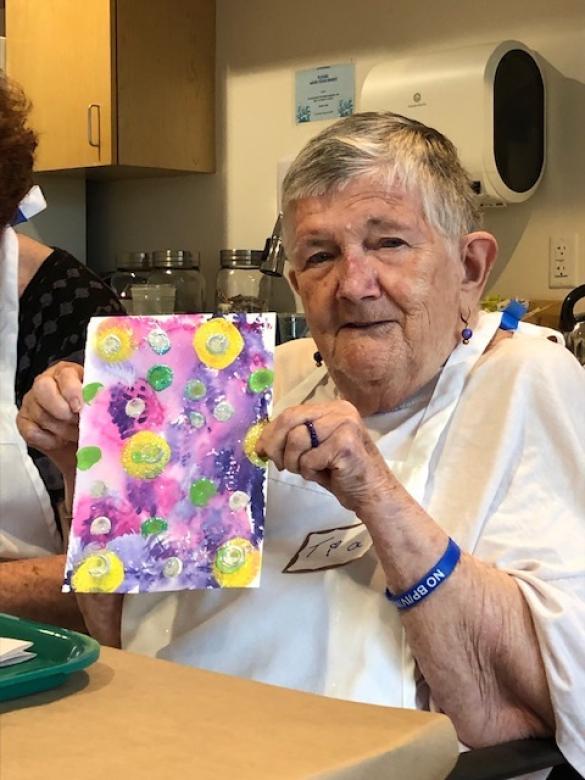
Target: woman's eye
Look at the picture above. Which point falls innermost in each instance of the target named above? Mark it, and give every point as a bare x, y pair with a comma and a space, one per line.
319, 257
391, 243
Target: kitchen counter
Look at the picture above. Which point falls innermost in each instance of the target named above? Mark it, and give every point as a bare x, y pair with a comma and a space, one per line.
134, 717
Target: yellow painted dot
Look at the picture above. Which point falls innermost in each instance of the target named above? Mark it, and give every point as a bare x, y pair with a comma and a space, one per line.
250, 441
218, 343
236, 563
101, 572
145, 455
114, 343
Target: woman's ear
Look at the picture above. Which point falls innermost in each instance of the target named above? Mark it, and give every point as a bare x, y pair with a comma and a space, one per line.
478, 254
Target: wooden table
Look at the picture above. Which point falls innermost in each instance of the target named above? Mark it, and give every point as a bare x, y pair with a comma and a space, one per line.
131, 717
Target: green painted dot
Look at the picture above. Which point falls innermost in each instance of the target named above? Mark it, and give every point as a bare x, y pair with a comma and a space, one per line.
197, 420
230, 558
261, 380
90, 391
217, 344
88, 457
154, 525
201, 491
150, 453
159, 377
195, 390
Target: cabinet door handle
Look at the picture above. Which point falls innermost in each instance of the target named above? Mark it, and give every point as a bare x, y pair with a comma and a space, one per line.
94, 108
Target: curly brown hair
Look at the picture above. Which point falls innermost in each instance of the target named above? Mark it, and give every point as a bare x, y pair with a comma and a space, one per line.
17, 149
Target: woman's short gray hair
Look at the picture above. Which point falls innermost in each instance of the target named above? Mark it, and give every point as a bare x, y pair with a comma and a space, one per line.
399, 151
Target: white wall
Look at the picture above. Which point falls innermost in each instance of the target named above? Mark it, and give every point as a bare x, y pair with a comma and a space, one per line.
260, 45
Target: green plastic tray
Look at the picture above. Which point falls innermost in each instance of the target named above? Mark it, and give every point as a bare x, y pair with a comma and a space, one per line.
59, 653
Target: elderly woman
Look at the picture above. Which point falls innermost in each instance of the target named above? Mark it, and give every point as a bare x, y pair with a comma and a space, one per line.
426, 500
46, 300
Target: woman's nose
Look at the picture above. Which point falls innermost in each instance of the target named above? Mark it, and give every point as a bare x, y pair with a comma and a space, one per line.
357, 279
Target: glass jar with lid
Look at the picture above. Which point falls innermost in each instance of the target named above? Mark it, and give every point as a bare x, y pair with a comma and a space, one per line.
241, 285
131, 268
180, 268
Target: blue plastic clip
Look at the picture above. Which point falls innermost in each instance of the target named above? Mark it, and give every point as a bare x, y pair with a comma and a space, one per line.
512, 315
18, 218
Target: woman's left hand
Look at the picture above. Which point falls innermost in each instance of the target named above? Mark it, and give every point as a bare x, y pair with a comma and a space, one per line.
102, 614
346, 460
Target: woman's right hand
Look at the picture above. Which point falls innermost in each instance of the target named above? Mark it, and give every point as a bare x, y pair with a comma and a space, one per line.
48, 419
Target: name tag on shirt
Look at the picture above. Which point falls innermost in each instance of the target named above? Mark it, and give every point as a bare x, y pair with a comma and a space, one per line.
331, 548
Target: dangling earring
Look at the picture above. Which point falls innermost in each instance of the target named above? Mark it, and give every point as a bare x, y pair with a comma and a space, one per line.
466, 333
318, 359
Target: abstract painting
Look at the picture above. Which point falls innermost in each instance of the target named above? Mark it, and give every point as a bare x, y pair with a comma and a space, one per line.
170, 493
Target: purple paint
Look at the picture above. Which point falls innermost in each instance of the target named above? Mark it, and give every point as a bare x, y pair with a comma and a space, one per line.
157, 444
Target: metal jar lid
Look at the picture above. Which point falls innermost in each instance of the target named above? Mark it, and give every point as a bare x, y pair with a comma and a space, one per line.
133, 260
240, 258
175, 258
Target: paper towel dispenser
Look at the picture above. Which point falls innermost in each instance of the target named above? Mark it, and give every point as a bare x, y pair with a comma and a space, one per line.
489, 100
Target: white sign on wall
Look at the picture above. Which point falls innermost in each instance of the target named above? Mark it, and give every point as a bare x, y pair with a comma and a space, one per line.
327, 92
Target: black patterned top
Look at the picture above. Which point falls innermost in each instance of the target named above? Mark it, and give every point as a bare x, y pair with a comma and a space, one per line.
55, 309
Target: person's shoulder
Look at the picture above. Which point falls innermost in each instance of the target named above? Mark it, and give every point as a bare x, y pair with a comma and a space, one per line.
64, 260
77, 275
293, 362
62, 278
531, 350
532, 359
54, 262
526, 391
31, 256
296, 350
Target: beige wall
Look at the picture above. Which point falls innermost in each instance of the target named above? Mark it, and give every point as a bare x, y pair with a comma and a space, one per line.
260, 45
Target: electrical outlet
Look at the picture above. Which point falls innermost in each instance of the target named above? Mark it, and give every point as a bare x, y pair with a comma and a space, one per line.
562, 258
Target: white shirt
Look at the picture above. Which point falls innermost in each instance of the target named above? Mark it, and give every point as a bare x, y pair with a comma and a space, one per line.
27, 521
494, 452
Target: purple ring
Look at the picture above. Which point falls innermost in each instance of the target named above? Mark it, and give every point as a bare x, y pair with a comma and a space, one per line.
312, 433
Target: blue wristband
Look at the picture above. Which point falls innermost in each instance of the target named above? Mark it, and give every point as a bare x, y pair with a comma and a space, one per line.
431, 580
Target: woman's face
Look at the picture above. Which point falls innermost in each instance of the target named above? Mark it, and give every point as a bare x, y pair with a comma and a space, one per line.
381, 288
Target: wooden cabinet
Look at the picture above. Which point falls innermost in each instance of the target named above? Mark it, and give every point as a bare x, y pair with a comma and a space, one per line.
125, 83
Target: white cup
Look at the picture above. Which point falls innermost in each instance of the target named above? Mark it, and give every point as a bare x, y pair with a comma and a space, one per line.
153, 298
